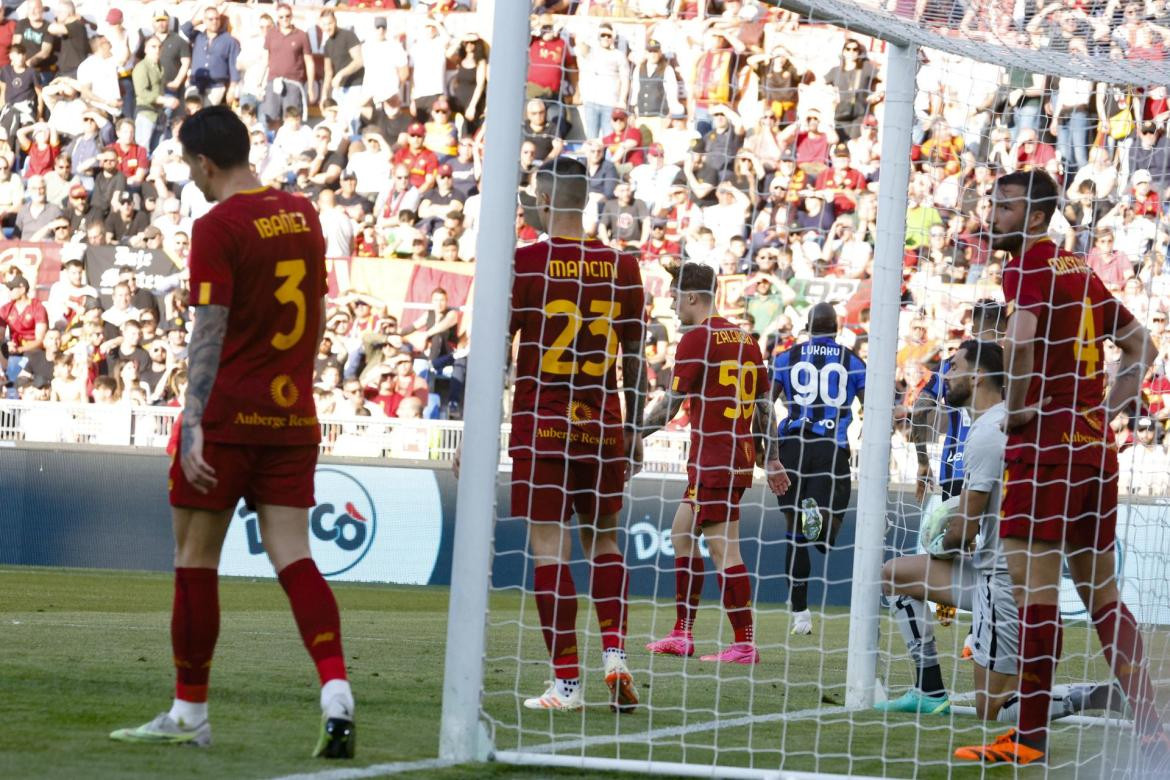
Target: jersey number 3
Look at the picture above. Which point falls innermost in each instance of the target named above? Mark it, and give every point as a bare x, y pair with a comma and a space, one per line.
553, 362
292, 272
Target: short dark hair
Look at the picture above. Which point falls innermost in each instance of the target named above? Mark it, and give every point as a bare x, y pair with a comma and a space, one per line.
987, 356
822, 320
1041, 190
990, 313
218, 134
697, 278
566, 180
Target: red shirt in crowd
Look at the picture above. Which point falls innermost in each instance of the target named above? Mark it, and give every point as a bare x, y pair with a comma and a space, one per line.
613, 143
1074, 315
262, 254
421, 164
416, 387
131, 159
653, 250
548, 61
719, 366
286, 54
41, 158
573, 302
22, 323
846, 179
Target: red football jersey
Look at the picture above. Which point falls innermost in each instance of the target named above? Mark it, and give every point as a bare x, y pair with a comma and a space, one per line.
574, 302
261, 253
719, 365
1075, 314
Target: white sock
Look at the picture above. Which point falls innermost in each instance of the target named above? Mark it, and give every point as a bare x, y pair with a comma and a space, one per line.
188, 714
1058, 708
613, 651
565, 688
337, 699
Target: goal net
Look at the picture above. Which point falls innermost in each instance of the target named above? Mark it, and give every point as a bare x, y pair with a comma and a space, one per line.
751, 139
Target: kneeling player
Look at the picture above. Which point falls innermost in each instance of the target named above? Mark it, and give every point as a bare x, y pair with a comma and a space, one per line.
978, 582
719, 366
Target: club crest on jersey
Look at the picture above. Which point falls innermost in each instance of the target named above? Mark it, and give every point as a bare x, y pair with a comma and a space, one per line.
579, 413
284, 391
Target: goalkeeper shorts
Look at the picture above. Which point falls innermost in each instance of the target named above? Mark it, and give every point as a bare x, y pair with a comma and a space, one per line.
995, 622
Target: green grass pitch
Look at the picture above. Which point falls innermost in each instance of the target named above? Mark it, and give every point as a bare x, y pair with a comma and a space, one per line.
84, 652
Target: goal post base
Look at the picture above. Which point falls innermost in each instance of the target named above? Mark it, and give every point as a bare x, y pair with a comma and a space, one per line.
669, 768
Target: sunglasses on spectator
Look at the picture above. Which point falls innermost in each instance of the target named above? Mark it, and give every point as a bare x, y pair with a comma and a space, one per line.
444, 176
852, 48
440, 111
605, 35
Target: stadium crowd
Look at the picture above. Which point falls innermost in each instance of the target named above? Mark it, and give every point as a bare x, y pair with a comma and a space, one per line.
729, 133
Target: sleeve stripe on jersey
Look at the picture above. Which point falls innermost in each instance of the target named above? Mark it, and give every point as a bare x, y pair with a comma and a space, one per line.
204, 294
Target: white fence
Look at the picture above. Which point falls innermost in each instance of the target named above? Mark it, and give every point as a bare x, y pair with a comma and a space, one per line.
150, 427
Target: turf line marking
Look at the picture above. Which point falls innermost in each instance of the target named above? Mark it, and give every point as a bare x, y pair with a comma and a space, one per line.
374, 770
678, 731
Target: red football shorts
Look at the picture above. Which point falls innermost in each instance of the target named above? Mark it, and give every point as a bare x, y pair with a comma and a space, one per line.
551, 489
281, 476
1075, 504
714, 504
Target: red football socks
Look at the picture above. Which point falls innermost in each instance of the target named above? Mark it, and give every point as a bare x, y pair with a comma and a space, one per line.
609, 589
556, 603
317, 617
194, 630
1041, 639
1118, 631
688, 589
737, 600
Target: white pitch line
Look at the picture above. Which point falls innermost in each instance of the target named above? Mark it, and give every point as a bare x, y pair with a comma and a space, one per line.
374, 770
678, 731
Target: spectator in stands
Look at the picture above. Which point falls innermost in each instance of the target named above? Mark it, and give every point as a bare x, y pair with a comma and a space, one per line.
420, 161
214, 55
150, 93
107, 184
604, 84
20, 91
32, 34
468, 56
292, 73
344, 67
386, 61
23, 324
11, 193
121, 309
552, 67
68, 294
624, 221
38, 213
428, 67
854, 82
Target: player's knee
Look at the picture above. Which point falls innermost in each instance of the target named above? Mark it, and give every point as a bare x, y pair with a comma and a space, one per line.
888, 570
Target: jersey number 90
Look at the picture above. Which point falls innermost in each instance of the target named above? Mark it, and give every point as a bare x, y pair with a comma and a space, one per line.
810, 384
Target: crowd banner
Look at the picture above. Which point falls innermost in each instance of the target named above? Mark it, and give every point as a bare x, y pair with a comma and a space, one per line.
39, 260
153, 268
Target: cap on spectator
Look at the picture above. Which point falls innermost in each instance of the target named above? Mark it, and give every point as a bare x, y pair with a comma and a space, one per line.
658, 222
840, 150
655, 150
114, 16
192, 92
416, 129
1140, 176
160, 13
125, 197
443, 170
1149, 127
1145, 424
698, 147
870, 121
380, 22
606, 26
653, 46
348, 176
151, 232
77, 191
249, 101
18, 281
617, 114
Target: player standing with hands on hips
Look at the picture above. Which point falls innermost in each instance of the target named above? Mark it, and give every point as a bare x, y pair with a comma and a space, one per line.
1059, 503
718, 365
575, 302
249, 428
818, 380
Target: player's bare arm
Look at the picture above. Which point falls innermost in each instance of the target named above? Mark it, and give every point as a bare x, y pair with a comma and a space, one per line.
662, 412
1019, 360
964, 523
203, 364
634, 386
764, 425
923, 428
1137, 352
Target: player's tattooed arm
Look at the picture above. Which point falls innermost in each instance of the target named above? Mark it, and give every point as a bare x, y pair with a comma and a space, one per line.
662, 412
764, 424
634, 382
1138, 351
923, 424
203, 364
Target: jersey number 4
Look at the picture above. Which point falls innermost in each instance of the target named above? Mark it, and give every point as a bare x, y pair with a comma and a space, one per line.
553, 360
809, 383
1085, 347
293, 273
